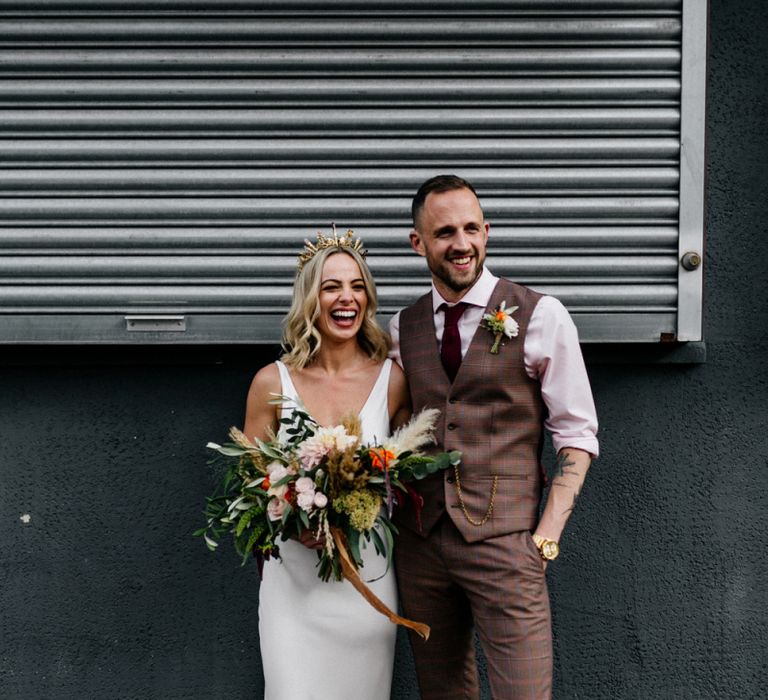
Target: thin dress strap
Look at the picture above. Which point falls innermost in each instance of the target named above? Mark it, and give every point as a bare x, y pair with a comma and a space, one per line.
380, 388
374, 415
287, 389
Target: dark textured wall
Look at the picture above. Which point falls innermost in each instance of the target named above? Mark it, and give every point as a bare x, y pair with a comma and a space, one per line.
660, 592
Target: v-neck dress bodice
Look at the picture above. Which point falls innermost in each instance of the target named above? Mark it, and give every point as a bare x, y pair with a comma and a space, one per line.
374, 415
321, 640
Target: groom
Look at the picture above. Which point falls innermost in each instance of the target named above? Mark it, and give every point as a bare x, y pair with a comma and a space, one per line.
475, 556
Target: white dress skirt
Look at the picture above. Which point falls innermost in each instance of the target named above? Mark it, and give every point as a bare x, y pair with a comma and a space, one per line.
321, 640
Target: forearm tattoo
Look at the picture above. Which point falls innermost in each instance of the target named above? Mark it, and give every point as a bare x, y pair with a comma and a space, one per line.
563, 462
573, 505
564, 467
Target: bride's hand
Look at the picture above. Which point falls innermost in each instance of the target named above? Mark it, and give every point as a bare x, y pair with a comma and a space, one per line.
308, 539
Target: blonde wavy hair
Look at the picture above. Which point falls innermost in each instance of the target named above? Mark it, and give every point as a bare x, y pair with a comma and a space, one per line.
301, 339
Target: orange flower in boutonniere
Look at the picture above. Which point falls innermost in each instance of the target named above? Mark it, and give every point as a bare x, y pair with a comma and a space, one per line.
501, 324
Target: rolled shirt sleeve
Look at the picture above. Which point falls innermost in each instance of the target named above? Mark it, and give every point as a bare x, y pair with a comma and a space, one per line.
553, 356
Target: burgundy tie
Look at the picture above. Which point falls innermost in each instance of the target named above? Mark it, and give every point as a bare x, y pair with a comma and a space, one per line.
450, 350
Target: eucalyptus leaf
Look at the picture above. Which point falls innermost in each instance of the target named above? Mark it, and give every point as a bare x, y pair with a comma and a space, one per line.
285, 480
235, 503
273, 453
230, 451
390, 545
353, 540
378, 543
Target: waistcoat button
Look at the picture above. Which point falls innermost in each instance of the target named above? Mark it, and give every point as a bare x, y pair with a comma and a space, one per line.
451, 426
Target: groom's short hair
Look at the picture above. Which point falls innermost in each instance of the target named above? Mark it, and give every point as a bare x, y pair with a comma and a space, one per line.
439, 183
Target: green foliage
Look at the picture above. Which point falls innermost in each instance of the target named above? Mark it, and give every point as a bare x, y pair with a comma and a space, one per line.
245, 520
415, 468
353, 542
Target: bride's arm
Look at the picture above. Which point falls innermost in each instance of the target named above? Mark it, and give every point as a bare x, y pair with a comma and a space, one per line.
399, 398
260, 415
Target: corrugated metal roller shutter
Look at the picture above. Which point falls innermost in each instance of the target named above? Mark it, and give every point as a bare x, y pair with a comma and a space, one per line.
167, 158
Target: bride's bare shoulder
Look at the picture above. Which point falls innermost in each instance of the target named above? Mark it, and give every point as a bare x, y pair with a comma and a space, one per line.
260, 414
266, 381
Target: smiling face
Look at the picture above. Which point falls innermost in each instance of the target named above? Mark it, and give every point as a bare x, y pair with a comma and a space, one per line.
451, 234
342, 298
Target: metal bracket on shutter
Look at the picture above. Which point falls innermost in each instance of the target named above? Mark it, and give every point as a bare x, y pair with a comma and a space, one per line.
173, 324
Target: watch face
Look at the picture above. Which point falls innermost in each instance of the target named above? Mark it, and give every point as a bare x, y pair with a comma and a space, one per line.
550, 549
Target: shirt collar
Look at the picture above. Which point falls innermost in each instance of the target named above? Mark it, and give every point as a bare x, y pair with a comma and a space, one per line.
479, 293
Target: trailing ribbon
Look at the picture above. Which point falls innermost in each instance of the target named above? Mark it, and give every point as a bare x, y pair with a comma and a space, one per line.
350, 573
417, 500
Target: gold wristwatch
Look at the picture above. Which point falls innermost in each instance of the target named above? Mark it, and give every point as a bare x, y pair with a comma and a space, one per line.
549, 549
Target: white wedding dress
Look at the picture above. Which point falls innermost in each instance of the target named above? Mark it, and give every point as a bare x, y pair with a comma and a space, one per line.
321, 640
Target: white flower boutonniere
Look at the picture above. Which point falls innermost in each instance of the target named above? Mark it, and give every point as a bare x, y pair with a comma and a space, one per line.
501, 324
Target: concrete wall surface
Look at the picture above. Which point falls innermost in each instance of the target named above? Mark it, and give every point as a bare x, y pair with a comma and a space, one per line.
660, 591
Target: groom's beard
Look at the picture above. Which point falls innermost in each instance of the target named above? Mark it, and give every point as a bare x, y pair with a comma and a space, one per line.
457, 282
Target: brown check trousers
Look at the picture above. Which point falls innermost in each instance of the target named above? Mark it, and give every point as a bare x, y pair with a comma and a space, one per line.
498, 583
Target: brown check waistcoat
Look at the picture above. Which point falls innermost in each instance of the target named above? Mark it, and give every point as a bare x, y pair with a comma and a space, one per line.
493, 413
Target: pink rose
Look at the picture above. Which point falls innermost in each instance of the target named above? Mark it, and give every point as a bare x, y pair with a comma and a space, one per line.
277, 472
321, 500
305, 500
304, 484
275, 508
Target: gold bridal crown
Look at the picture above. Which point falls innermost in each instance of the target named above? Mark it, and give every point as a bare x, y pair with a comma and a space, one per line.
323, 242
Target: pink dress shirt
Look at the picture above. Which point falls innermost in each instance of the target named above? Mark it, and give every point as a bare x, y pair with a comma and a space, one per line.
551, 353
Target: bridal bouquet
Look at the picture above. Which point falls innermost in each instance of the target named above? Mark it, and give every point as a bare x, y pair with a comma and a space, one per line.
325, 481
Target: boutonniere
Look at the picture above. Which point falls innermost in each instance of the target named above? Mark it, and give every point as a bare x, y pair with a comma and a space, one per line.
501, 324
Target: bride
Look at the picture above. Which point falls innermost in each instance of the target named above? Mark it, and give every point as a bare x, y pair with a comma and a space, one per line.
322, 640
